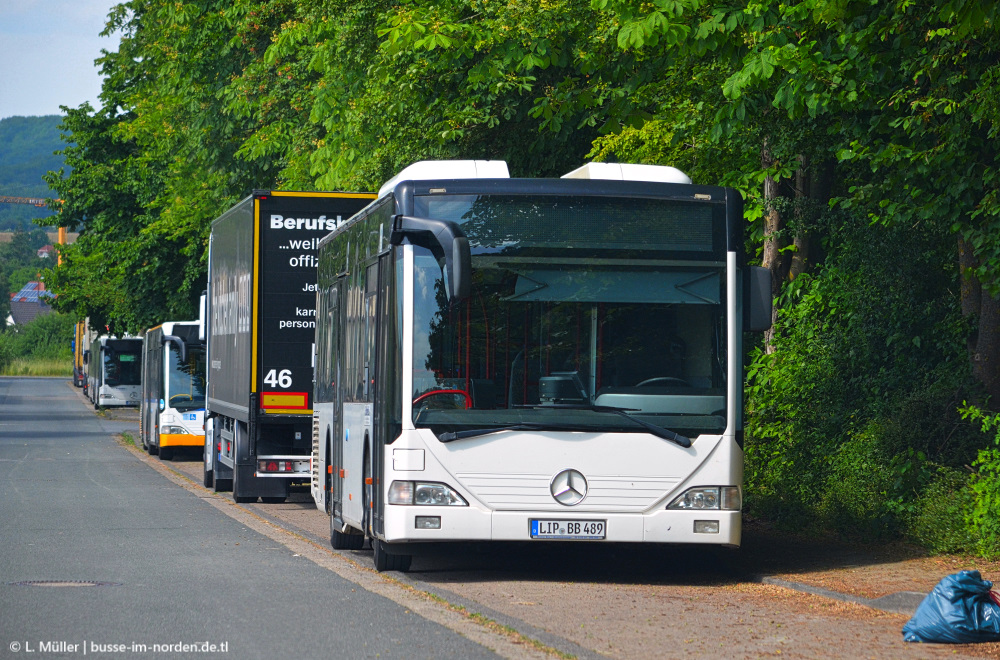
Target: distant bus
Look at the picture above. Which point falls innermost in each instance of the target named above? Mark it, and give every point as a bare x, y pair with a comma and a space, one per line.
172, 410
533, 360
114, 371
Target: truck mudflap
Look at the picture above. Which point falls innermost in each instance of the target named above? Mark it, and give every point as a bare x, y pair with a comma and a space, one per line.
247, 486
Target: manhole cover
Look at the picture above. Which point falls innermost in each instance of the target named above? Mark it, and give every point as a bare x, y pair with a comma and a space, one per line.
63, 583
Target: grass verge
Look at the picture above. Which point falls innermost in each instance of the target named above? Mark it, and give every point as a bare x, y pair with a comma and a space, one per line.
38, 367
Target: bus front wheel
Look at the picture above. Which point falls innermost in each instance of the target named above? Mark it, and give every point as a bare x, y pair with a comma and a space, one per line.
344, 540
386, 562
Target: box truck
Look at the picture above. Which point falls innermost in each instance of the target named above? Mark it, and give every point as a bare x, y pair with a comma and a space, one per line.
261, 321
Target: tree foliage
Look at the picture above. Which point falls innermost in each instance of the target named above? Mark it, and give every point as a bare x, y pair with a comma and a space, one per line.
860, 133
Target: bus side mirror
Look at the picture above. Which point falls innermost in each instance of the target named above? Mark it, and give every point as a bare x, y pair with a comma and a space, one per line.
446, 240
86, 357
758, 303
179, 343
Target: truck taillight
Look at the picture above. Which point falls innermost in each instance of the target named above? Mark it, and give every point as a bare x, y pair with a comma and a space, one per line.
275, 466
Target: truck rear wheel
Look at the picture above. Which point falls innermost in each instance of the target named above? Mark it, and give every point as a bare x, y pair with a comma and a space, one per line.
221, 485
237, 496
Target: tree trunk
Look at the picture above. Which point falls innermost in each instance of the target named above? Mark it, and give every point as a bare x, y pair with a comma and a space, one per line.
986, 356
773, 258
800, 256
984, 343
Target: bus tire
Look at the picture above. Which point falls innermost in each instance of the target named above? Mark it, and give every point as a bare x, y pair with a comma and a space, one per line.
345, 540
386, 562
208, 476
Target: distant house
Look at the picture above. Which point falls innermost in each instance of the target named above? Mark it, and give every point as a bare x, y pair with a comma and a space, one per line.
46, 251
28, 304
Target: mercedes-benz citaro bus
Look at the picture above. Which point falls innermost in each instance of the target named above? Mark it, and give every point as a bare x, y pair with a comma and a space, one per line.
532, 360
113, 371
172, 414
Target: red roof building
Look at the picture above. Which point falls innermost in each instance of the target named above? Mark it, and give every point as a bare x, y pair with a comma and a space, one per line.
29, 303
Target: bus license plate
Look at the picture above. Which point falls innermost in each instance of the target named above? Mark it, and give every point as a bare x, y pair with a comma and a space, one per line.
588, 530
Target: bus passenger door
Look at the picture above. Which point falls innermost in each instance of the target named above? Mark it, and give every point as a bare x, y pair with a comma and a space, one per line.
386, 366
334, 370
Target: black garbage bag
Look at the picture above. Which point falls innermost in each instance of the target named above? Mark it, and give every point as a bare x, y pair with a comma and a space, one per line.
961, 609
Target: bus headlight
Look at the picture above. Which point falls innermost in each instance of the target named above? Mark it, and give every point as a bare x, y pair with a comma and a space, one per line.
705, 498
173, 430
424, 494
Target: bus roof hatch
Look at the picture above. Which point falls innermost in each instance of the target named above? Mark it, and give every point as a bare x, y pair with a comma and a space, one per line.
448, 169
629, 172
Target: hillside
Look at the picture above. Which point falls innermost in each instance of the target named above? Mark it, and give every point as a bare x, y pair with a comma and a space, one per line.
27, 146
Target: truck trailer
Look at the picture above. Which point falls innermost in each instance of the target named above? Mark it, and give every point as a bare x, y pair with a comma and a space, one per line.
261, 322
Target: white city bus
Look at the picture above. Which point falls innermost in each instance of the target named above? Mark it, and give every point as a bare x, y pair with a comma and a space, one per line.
113, 371
172, 413
533, 359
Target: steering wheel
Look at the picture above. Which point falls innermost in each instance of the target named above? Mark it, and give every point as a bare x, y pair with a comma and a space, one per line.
664, 380
180, 397
426, 395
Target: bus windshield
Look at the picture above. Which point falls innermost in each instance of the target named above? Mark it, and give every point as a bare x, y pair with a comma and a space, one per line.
543, 341
186, 381
122, 367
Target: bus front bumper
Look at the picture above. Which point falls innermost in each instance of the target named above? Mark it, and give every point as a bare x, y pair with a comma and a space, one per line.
181, 440
405, 524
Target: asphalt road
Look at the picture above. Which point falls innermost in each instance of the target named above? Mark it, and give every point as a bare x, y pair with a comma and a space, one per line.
103, 555
171, 562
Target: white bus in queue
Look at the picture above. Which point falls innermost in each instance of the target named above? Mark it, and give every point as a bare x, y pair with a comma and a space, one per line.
172, 413
532, 360
113, 371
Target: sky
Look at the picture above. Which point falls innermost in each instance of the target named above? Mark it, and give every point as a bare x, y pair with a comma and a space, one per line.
47, 51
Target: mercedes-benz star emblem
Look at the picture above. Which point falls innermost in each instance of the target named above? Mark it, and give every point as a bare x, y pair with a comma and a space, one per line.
569, 487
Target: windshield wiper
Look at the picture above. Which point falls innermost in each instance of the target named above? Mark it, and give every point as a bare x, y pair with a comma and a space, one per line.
658, 431
523, 426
